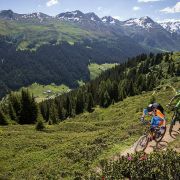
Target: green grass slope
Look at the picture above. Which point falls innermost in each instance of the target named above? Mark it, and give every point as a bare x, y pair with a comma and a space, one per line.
31, 36
43, 92
96, 69
74, 147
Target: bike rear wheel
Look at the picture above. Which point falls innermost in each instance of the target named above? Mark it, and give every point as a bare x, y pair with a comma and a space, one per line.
172, 125
142, 143
174, 122
158, 137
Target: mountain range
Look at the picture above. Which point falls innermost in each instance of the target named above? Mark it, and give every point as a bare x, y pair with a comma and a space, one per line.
44, 49
144, 31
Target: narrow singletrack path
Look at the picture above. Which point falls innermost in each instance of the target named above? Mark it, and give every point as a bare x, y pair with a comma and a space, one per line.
152, 146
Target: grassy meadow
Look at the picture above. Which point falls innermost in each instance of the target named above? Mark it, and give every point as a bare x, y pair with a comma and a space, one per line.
74, 147
96, 69
31, 36
43, 92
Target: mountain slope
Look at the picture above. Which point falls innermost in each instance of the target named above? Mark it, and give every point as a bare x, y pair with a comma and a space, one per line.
172, 27
147, 32
60, 64
65, 26
74, 147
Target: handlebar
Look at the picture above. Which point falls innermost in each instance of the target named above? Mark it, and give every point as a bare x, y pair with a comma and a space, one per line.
144, 121
172, 106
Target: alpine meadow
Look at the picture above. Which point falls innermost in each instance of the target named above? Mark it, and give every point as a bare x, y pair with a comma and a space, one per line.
90, 90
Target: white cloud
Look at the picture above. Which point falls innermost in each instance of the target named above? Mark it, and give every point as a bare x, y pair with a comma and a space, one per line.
174, 9
100, 8
168, 20
104, 11
52, 3
136, 8
146, 1
117, 17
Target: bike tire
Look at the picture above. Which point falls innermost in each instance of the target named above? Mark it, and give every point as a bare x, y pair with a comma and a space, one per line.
161, 136
173, 122
140, 147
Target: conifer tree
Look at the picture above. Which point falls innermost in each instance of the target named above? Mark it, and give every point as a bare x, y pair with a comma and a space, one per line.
106, 100
166, 57
29, 108
68, 106
90, 103
80, 102
12, 113
53, 114
3, 118
115, 92
40, 123
14, 101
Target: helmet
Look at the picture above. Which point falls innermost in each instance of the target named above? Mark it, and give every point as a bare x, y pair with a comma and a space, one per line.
150, 108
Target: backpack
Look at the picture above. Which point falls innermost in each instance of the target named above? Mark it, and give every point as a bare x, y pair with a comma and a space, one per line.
159, 107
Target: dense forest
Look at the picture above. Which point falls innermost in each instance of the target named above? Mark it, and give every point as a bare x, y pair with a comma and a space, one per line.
59, 64
142, 73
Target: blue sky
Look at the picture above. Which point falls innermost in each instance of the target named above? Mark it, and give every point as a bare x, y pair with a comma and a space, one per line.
123, 9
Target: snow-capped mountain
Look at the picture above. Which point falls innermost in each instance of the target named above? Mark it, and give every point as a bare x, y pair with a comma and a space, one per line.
93, 17
172, 27
109, 20
147, 32
75, 16
40, 16
10, 15
142, 30
78, 16
143, 22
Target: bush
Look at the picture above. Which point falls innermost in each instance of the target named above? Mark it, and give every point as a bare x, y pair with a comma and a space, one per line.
158, 165
40, 124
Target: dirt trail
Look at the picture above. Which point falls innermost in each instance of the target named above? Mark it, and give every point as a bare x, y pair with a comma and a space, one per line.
157, 146
162, 145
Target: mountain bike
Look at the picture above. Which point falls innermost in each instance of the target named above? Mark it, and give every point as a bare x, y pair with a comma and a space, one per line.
148, 136
175, 118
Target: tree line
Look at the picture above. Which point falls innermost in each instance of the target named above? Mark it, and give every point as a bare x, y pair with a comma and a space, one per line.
142, 73
60, 64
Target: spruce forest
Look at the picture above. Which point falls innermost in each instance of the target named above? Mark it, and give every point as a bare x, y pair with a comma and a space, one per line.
137, 75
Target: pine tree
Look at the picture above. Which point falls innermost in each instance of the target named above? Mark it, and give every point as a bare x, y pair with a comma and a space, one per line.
68, 107
45, 111
12, 113
3, 118
29, 108
14, 101
166, 57
40, 123
90, 103
115, 92
106, 100
53, 114
131, 89
80, 102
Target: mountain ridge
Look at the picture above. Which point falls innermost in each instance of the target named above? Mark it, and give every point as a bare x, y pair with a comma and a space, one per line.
144, 31
77, 14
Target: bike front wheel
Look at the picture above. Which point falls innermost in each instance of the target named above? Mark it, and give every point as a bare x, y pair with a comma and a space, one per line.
142, 144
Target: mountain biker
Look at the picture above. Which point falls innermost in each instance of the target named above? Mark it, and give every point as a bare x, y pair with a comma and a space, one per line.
178, 101
158, 117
